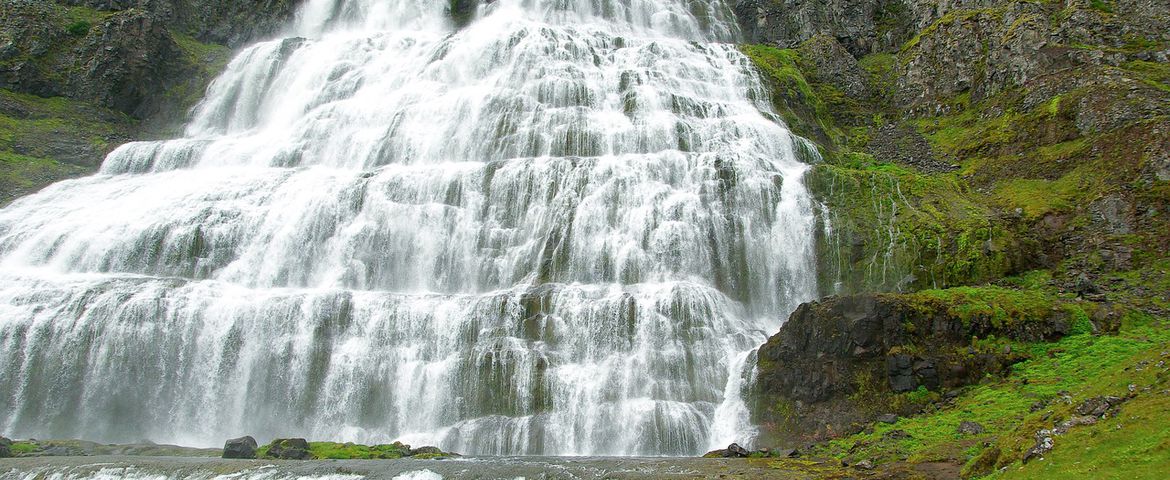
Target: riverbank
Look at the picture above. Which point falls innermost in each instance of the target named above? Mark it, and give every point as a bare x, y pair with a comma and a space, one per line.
133, 467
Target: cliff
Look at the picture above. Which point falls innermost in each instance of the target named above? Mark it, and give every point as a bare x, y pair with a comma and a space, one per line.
80, 77
997, 188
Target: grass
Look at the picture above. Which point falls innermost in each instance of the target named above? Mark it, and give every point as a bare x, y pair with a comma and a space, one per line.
793, 97
19, 448
347, 451
1002, 306
1079, 366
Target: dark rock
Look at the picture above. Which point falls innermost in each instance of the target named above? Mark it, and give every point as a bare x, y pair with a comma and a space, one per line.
1099, 406
899, 369
895, 435
737, 451
970, 428
289, 449
830, 350
425, 450
243, 447
5, 447
1085, 286
907, 146
888, 418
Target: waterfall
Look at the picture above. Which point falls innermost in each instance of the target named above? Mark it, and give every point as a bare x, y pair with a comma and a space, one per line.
558, 230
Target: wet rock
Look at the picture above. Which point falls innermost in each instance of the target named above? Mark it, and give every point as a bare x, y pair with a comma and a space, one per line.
814, 363
732, 451
243, 447
5, 447
900, 369
289, 449
737, 451
427, 450
970, 428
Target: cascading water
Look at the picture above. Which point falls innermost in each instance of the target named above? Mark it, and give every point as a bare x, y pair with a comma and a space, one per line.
559, 230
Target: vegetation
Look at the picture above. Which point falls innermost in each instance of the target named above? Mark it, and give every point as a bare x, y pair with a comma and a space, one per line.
1050, 184
1042, 392
353, 451
43, 140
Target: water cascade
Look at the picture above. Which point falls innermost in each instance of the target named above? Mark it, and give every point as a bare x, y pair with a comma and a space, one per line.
559, 230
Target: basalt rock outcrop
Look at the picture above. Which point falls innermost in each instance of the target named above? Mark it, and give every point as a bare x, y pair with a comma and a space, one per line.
243, 447
846, 360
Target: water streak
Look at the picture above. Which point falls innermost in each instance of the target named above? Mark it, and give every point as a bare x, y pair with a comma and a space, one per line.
558, 230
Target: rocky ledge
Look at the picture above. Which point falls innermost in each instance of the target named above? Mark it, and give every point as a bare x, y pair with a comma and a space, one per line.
843, 362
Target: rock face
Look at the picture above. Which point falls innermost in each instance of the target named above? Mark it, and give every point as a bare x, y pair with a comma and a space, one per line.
139, 57
289, 449
5, 447
243, 447
950, 47
861, 26
116, 61
830, 354
224, 22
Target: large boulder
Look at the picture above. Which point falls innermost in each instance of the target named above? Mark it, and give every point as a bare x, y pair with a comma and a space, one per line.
5, 447
732, 451
243, 447
426, 451
837, 358
289, 449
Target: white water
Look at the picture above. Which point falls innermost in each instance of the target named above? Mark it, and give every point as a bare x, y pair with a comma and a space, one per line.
559, 230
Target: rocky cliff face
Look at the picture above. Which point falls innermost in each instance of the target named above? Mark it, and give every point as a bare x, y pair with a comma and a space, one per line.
79, 77
989, 156
843, 361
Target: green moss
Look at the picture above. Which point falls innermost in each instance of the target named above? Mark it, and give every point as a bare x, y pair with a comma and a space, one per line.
1154, 74
354, 451
951, 18
1101, 6
79, 28
1080, 366
1002, 306
19, 173
889, 228
797, 102
331, 450
19, 448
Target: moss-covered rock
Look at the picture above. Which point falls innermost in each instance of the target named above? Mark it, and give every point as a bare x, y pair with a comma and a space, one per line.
844, 360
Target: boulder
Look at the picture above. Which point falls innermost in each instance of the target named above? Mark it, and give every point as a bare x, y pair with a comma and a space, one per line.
737, 451
970, 428
831, 350
243, 447
1099, 406
426, 450
289, 449
888, 418
5, 447
732, 451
